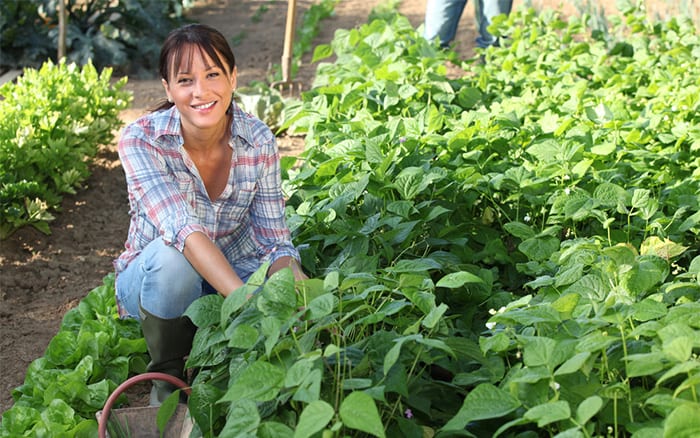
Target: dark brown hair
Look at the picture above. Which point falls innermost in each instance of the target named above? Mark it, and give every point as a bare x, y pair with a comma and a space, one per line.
181, 43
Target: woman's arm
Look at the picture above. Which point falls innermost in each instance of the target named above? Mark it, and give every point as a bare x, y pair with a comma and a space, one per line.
287, 262
207, 259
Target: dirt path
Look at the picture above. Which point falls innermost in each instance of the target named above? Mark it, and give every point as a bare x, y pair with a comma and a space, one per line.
41, 277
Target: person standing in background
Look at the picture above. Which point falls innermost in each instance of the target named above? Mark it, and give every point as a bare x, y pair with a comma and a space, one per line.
442, 18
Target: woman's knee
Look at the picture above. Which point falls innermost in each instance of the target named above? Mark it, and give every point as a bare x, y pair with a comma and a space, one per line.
170, 283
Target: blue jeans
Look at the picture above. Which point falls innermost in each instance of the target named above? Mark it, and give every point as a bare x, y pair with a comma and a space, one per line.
162, 281
442, 18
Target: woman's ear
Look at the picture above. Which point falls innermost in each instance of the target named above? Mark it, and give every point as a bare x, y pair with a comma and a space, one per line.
167, 90
234, 78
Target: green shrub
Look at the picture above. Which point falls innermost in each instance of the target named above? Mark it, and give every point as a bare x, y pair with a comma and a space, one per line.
52, 121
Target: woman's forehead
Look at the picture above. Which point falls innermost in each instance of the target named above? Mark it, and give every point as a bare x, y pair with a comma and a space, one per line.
183, 59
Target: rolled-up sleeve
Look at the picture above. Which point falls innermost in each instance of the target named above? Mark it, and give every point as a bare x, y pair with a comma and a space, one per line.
268, 208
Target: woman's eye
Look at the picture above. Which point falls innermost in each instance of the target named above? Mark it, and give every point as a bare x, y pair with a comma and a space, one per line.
183, 80
213, 74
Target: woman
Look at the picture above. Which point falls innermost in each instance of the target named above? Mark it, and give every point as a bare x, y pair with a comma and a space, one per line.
205, 198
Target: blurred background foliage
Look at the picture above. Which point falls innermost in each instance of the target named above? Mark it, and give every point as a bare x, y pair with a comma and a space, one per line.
122, 34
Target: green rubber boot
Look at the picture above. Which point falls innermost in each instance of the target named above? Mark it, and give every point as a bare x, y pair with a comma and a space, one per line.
168, 342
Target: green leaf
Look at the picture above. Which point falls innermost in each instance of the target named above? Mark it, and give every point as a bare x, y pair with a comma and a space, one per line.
278, 297
539, 248
166, 410
588, 408
537, 350
313, 419
456, 280
548, 413
273, 429
683, 422
206, 310
433, 318
645, 275
520, 230
322, 306
244, 336
573, 364
322, 51
484, 402
358, 411
233, 302
261, 381
242, 420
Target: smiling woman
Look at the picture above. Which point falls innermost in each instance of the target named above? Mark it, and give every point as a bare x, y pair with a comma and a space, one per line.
205, 194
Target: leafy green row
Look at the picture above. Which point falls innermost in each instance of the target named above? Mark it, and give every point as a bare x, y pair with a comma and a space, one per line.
92, 353
52, 122
564, 167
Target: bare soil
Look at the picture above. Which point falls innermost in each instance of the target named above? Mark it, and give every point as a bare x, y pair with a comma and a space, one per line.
43, 276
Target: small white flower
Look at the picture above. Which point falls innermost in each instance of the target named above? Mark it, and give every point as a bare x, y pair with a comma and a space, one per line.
492, 311
527, 218
490, 325
567, 191
502, 309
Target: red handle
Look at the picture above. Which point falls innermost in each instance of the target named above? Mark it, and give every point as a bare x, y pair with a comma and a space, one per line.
102, 422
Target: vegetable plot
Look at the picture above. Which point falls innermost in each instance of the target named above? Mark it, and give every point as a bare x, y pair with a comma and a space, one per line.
512, 253
52, 122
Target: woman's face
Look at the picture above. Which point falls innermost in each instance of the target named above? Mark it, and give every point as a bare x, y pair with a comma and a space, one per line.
201, 91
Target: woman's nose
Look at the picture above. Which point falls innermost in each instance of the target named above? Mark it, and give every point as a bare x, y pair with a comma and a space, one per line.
199, 87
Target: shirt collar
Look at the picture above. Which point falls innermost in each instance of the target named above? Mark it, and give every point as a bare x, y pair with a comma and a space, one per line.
167, 123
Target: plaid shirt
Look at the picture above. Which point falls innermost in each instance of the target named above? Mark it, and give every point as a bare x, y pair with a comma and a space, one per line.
168, 199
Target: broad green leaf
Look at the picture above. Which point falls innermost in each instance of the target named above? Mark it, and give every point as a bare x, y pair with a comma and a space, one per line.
358, 411
273, 429
434, 317
393, 354
242, 420
261, 381
166, 410
537, 350
648, 309
609, 194
205, 311
549, 413
322, 51
645, 275
539, 248
278, 297
566, 303
244, 336
640, 198
322, 306
588, 408
683, 422
413, 266
645, 364
234, 301
573, 364
520, 230
666, 248
483, 402
456, 280
313, 419
681, 368
679, 349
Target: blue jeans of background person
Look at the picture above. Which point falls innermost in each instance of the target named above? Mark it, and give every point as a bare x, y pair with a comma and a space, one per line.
162, 281
442, 18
